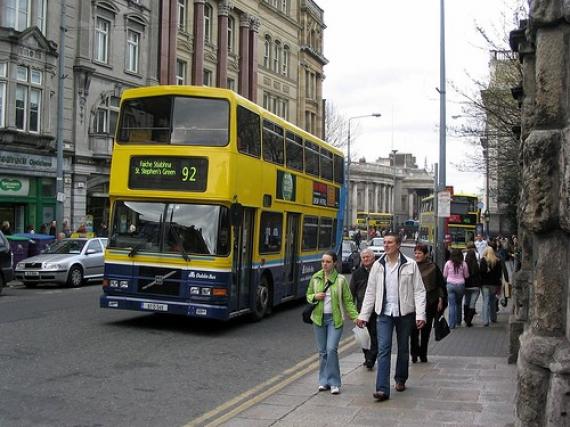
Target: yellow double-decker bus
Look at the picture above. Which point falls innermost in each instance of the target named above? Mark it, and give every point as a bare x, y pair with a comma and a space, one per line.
380, 220
218, 207
460, 226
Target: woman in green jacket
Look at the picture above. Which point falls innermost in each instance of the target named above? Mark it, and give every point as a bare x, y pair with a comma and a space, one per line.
328, 318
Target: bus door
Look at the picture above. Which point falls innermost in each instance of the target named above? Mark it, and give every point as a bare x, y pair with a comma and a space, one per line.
291, 245
243, 250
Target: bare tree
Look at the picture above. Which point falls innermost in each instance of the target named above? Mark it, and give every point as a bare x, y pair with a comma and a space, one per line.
336, 126
494, 117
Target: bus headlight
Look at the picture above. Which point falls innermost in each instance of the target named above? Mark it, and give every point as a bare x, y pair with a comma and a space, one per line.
124, 284
207, 291
194, 290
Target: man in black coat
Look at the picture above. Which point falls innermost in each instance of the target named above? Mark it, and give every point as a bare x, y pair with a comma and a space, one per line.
358, 283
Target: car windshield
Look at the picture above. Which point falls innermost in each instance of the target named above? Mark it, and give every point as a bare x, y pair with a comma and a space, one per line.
67, 246
179, 228
378, 241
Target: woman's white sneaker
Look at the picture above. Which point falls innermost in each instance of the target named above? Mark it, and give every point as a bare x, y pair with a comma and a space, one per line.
335, 390
323, 388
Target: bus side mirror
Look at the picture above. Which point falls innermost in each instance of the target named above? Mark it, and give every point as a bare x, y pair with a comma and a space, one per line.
236, 214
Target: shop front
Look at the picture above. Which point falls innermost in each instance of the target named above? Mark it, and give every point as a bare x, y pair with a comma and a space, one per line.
27, 190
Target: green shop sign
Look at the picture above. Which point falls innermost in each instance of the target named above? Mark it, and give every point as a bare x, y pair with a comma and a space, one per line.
14, 186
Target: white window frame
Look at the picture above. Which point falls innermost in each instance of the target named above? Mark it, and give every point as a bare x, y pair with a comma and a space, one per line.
38, 109
285, 61
102, 119
208, 77
23, 89
208, 21
133, 51
17, 16
41, 15
22, 77
231, 34
39, 76
181, 72
102, 40
276, 56
267, 53
182, 16
2, 103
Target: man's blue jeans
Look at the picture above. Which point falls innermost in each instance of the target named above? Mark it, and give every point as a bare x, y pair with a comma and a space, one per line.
328, 337
454, 298
385, 328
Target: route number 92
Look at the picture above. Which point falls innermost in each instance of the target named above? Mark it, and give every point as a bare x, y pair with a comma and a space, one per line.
189, 173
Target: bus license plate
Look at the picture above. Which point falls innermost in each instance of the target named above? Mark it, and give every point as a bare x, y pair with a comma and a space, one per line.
154, 306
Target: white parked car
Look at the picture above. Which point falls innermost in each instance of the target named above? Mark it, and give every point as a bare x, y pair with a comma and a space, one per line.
377, 246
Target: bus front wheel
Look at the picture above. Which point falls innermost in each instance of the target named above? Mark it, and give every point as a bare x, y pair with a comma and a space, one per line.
262, 298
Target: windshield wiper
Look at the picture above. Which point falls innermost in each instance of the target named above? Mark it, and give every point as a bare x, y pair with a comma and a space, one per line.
180, 243
135, 249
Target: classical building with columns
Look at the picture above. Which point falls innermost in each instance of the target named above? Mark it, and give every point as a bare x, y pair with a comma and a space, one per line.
389, 186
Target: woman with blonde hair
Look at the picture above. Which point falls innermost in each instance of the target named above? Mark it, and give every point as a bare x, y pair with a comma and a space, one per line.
491, 269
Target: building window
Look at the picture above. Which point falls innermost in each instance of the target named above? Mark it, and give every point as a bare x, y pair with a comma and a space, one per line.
276, 55
231, 34
106, 115
16, 14
182, 15
285, 61
133, 39
208, 80
28, 100
102, 40
2, 103
276, 105
41, 9
267, 52
231, 84
180, 72
208, 13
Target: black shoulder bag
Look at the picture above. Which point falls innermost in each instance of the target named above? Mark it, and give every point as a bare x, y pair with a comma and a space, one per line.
308, 310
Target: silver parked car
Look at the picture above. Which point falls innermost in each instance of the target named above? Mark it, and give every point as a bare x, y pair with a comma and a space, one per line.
68, 261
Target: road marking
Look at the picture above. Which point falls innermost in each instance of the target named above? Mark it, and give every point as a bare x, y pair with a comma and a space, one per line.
252, 396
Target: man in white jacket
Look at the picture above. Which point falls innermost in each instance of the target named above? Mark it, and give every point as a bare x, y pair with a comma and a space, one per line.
396, 292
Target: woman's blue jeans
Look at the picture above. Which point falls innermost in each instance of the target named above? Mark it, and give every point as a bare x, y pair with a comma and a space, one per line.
455, 298
489, 311
328, 337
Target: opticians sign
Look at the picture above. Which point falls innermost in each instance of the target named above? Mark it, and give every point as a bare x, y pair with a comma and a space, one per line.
14, 186
27, 162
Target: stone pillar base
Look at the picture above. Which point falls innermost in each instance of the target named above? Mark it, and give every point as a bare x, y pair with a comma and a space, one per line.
514, 331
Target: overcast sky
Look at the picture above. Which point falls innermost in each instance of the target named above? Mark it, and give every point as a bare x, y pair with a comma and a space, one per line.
384, 58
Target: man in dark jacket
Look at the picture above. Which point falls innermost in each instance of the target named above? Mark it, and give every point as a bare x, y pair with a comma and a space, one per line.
358, 283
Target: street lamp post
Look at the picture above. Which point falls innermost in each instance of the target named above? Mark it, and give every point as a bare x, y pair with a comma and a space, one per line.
442, 133
485, 145
348, 210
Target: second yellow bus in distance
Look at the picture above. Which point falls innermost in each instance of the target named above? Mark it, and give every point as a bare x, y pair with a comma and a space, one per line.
218, 207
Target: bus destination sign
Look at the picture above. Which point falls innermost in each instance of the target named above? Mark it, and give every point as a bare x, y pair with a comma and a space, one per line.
168, 173
464, 219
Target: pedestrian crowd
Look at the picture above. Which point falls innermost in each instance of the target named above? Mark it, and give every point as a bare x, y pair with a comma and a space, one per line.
408, 296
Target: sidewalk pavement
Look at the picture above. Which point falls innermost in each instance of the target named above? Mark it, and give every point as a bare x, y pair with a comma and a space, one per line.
449, 390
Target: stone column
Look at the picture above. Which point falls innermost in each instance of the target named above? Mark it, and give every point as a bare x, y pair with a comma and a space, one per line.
367, 196
198, 55
541, 290
243, 84
376, 194
222, 69
253, 61
354, 202
383, 198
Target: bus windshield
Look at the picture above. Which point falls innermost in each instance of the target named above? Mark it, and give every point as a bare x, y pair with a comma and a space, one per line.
463, 204
175, 120
179, 228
